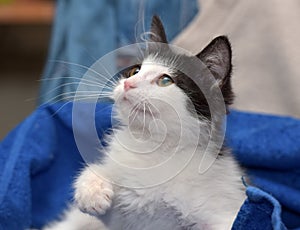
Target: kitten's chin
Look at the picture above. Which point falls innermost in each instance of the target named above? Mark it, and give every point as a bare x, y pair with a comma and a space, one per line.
137, 112
136, 116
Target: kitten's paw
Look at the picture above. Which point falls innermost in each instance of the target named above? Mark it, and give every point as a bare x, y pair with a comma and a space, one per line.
93, 195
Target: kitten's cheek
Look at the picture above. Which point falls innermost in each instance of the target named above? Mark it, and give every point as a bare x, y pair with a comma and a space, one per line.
117, 93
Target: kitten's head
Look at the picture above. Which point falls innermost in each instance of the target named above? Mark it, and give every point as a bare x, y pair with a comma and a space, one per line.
161, 85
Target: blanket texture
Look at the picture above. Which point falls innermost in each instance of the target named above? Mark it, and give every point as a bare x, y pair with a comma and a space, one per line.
39, 160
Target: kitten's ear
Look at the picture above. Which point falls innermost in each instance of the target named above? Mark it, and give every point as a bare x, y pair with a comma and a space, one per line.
157, 31
217, 57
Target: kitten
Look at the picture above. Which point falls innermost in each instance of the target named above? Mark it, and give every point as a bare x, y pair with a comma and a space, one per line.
150, 177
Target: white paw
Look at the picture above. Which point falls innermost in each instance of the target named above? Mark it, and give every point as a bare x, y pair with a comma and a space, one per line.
93, 195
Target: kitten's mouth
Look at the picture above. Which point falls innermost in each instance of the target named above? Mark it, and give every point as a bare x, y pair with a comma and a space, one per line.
125, 98
139, 108
144, 109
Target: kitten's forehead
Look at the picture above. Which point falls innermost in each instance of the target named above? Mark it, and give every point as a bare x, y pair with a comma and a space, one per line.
151, 67
171, 59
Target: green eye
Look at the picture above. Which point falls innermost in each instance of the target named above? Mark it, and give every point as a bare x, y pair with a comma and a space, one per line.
164, 81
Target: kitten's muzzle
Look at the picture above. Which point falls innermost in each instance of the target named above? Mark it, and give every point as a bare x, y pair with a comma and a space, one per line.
128, 85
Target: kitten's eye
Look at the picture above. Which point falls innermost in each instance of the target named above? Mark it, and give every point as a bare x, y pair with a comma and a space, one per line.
134, 71
164, 81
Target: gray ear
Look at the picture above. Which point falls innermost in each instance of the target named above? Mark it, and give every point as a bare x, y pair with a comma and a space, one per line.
157, 31
217, 57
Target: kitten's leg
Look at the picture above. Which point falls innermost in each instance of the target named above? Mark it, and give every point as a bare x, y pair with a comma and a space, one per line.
93, 195
74, 219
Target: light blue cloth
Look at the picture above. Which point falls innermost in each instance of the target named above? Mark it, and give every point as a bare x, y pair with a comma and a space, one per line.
84, 31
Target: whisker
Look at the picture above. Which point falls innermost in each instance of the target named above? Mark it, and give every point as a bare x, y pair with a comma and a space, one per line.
75, 78
144, 122
71, 99
116, 81
68, 95
61, 96
99, 80
89, 54
150, 110
66, 84
60, 108
67, 102
85, 82
82, 82
135, 110
85, 67
106, 70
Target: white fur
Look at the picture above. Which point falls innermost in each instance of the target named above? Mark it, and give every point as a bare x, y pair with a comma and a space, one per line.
153, 190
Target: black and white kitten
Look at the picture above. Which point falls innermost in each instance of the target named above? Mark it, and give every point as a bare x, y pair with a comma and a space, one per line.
150, 177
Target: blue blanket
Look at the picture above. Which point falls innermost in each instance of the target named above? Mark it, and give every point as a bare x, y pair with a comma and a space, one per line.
39, 160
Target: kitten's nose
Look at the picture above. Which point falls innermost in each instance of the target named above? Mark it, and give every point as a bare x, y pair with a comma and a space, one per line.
128, 85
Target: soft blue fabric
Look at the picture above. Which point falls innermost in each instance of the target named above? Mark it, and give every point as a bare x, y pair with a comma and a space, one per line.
260, 211
39, 160
84, 31
269, 147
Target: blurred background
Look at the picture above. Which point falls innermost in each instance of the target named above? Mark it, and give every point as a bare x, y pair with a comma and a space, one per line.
25, 29
265, 39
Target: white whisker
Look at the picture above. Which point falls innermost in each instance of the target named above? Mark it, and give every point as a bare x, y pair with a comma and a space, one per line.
87, 68
144, 122
71, 101
106, 70
150, 110
74, 78
69, 83
135, 110
99, 80
70, 95
60, 108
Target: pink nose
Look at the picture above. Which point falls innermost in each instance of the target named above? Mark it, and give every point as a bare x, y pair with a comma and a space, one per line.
128, 85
